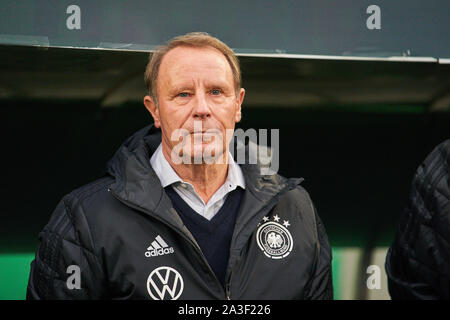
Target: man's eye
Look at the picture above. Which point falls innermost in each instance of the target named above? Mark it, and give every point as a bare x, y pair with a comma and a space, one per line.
183, 94
215, 92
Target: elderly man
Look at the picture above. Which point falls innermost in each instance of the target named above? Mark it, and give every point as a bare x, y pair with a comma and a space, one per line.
176, 217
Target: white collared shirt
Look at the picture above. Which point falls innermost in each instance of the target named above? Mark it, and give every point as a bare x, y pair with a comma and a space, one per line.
168, 176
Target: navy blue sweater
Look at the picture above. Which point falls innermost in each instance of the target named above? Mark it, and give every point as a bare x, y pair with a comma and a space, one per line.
213, 236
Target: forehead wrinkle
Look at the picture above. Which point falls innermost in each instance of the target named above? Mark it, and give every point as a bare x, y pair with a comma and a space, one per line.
190, 63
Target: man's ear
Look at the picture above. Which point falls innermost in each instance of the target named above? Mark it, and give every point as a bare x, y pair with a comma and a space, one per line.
153, 109
239, 101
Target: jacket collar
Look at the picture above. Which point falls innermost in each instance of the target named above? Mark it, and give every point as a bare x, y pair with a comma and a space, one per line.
137, 184
168, 176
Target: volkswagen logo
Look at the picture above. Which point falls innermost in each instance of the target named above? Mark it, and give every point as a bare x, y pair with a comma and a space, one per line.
165, 283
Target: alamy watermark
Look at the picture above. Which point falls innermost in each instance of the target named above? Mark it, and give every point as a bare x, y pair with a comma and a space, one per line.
374, 280
373, 22
208, 147
74, 280
73, 21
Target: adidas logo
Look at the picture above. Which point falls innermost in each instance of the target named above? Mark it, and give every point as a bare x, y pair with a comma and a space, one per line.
158, 248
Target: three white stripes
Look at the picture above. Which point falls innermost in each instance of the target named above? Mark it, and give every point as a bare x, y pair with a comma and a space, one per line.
158, 244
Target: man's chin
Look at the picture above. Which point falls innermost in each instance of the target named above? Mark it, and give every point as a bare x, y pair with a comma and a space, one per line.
205, 154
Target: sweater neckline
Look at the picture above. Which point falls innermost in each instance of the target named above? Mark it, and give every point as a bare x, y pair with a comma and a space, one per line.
210, 225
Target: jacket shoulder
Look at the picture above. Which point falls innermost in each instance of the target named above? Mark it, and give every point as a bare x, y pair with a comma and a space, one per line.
76, 216
71, 212
67, 241
87, 201
94, 206
91, 192
298, 201
312, 237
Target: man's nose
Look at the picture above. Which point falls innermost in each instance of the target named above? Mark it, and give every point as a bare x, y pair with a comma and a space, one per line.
202, 109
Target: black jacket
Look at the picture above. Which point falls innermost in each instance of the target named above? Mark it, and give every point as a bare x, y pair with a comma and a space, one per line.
418, 262
108, 229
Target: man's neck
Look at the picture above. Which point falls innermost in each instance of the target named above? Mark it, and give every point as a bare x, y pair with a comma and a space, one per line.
205, 178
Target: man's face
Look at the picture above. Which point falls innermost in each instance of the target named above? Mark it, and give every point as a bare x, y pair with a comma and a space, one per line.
196, 93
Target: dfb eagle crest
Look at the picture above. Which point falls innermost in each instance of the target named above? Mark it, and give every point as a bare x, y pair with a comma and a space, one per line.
273, 238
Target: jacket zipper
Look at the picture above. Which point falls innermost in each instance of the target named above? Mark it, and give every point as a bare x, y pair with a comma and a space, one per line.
191, 241
228, 286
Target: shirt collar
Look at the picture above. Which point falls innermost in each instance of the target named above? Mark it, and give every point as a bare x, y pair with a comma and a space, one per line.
168, 176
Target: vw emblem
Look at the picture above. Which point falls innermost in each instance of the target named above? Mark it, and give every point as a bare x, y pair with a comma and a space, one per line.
165, 283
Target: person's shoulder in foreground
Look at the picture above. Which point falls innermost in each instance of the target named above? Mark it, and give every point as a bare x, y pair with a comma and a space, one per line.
139, 233
417, 263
